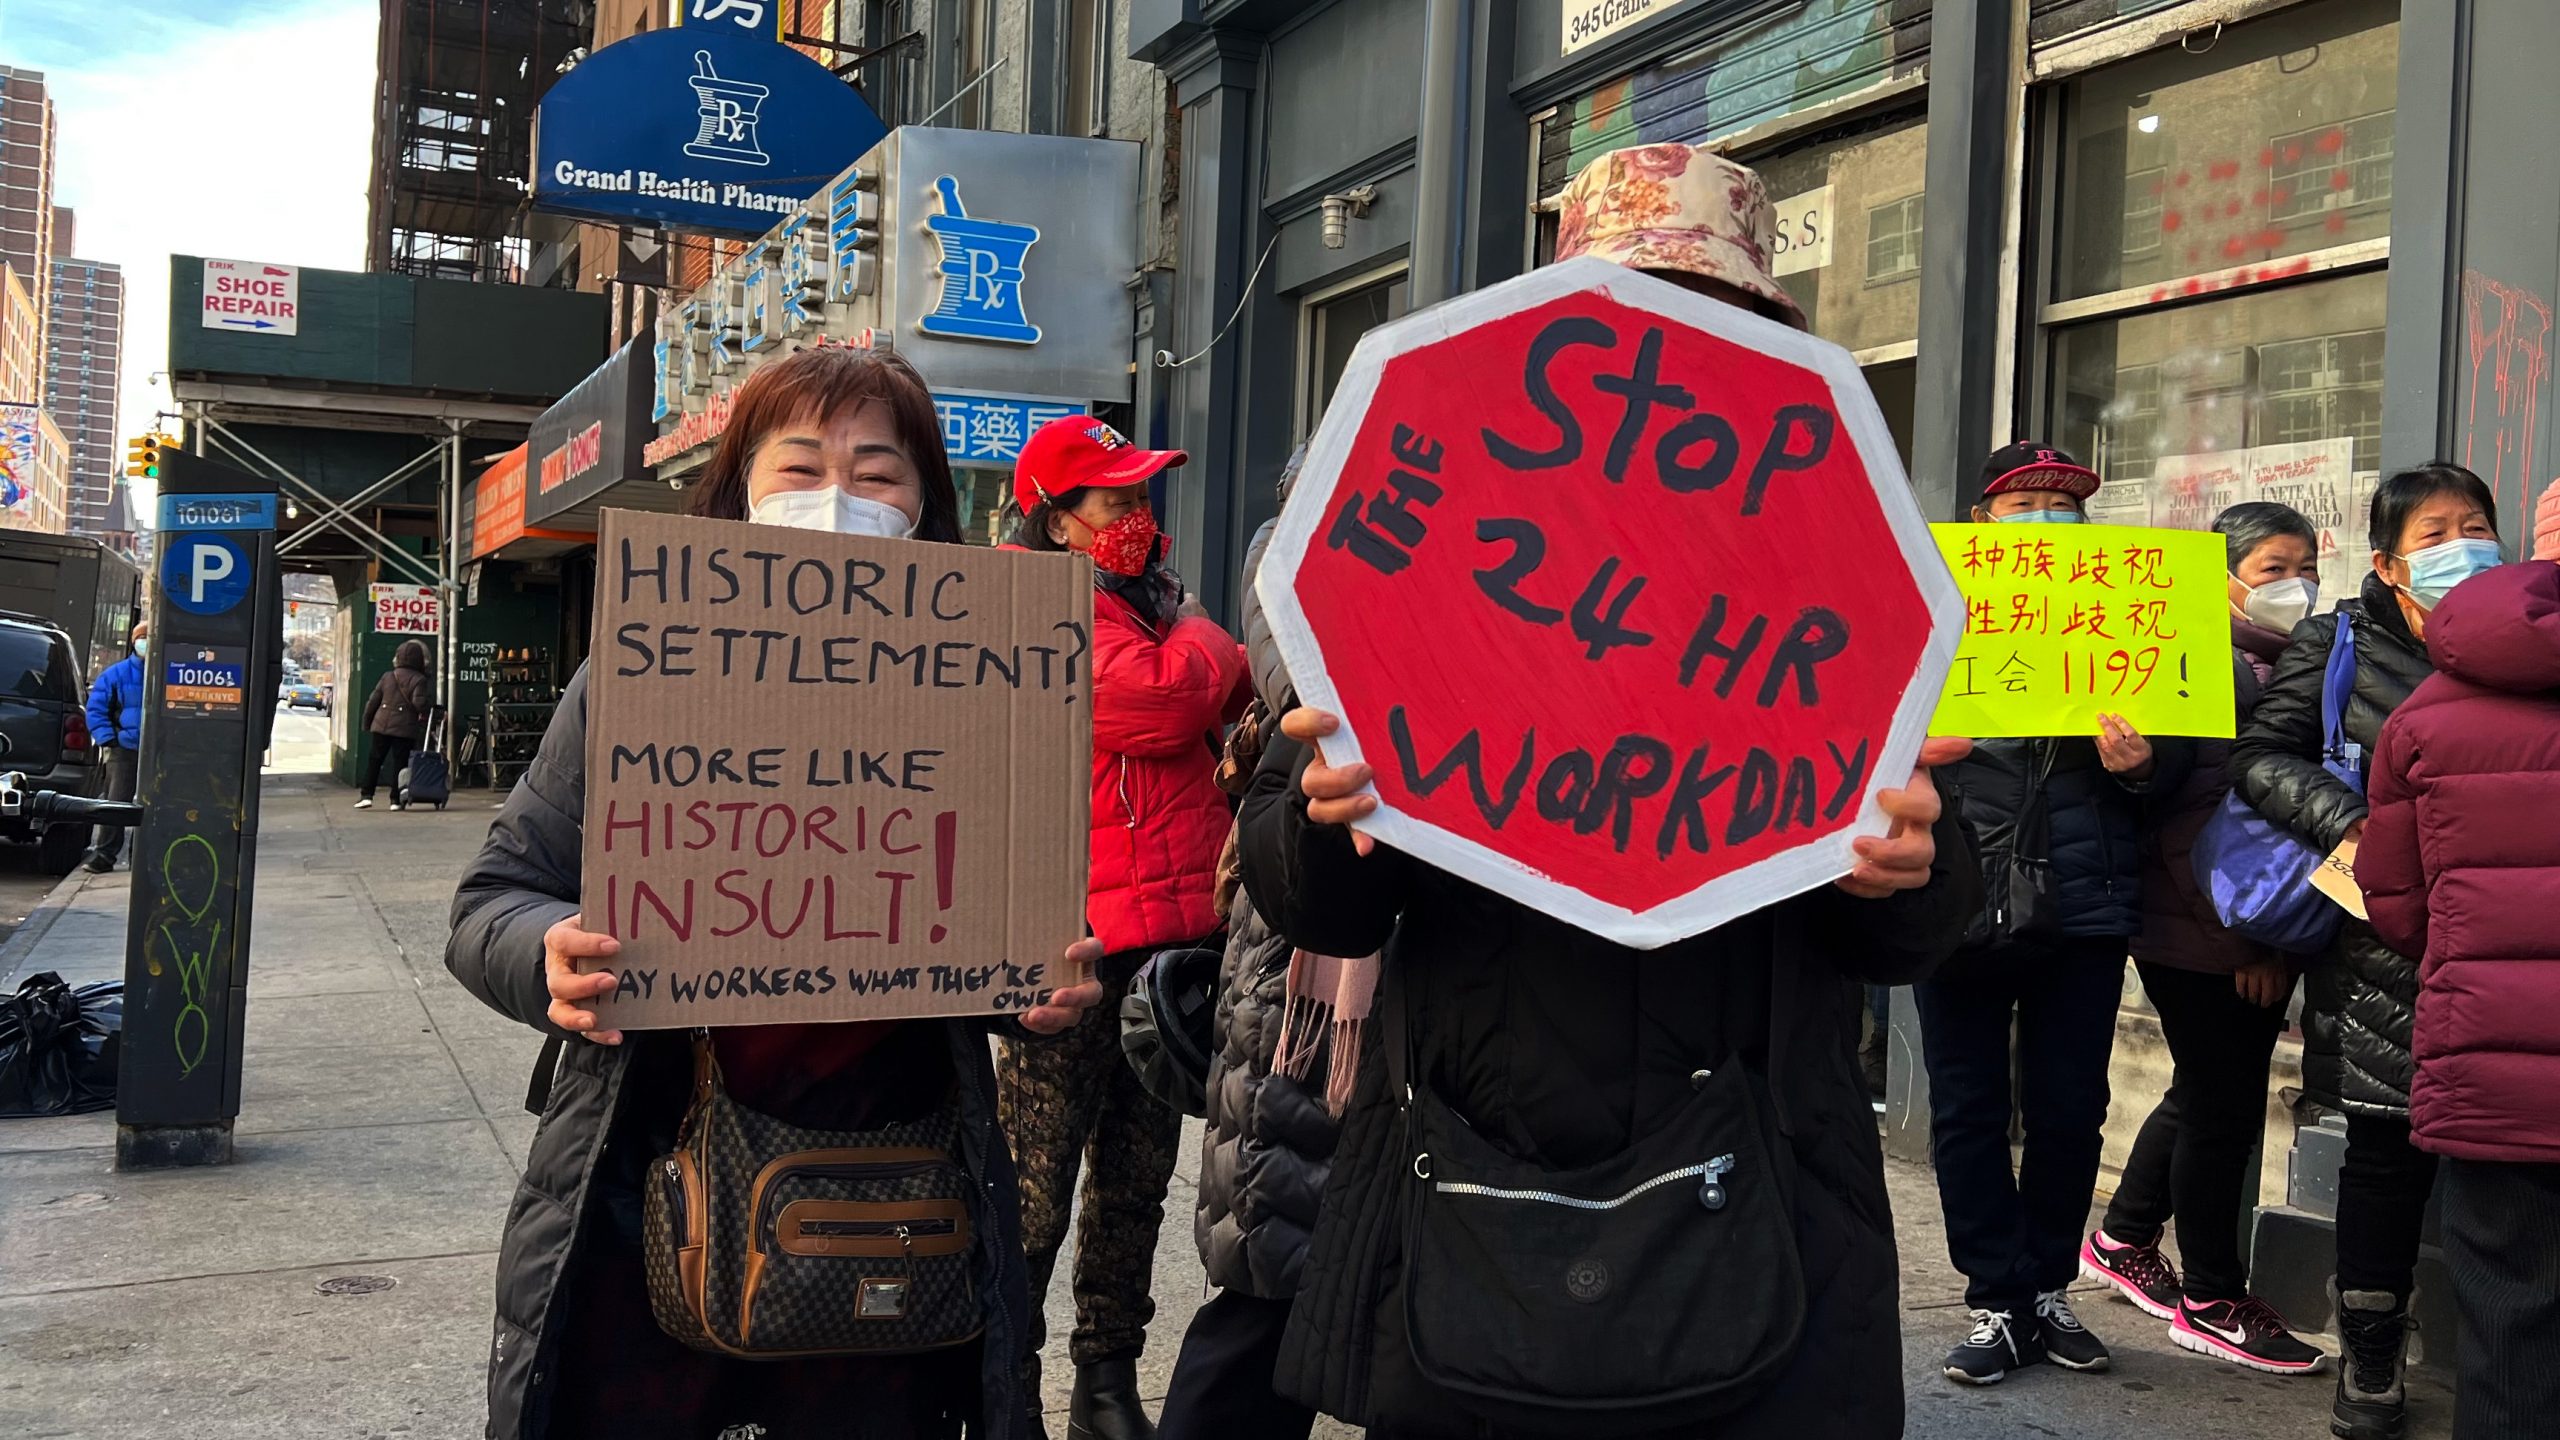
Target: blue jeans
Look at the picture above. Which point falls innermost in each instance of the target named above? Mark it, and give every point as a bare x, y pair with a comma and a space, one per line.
2014, 1232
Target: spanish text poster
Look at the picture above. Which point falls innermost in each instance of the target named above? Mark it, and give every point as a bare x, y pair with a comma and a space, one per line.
2064, 623
832, 778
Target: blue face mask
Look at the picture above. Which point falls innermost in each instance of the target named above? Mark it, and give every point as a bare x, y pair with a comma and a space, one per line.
2039, 517
2434, 571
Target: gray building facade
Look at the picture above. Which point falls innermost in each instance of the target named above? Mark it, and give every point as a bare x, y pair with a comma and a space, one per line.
2188, 239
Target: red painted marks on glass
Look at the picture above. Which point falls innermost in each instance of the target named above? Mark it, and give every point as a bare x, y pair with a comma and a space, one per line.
2333, 140
2342, 180
2507, 341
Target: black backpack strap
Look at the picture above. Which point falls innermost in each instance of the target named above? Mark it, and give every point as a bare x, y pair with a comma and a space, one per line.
546, 1068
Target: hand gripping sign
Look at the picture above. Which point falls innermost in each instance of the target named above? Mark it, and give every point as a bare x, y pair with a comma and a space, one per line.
1621, 592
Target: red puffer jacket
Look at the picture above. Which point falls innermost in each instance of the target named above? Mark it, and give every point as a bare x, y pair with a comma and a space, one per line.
2460, 864
1159, 817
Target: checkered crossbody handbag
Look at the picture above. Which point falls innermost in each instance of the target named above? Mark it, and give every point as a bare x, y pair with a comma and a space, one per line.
769, 1241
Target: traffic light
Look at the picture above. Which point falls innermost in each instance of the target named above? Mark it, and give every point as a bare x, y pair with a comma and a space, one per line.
142, 455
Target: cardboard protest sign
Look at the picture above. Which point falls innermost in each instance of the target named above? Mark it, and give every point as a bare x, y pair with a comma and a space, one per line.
832, 778
1622, 593
2065, 622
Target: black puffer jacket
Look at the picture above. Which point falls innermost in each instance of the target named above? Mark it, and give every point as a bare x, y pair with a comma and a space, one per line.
2358, 1007
1559, 1048
524, 881
1269, 1141
2094, 820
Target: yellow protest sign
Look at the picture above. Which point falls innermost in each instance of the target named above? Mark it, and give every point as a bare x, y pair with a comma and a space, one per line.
2067, 622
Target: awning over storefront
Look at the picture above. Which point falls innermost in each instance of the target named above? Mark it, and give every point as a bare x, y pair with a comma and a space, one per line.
587, 449
494, 516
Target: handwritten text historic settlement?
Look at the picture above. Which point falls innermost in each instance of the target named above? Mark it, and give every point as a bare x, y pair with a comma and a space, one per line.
833, 778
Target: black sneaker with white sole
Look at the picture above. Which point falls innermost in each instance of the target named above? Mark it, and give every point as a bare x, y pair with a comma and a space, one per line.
1998, 1344
2066, 1342
2140, 1273
2246, 1331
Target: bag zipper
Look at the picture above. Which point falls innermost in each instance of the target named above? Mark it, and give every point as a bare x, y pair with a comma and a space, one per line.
853, 1229
1710, 1194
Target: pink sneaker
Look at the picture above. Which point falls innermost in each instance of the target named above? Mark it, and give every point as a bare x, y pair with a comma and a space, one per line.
2140, 1273
2245, 1332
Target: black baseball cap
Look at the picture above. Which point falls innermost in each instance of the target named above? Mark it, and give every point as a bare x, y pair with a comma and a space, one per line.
2036, 465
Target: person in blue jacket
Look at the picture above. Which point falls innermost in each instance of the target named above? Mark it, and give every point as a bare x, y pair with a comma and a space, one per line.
115, 728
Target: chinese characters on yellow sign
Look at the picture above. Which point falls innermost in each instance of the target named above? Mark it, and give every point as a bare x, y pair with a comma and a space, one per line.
2064, 623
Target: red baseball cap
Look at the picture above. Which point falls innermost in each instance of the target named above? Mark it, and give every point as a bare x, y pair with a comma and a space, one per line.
1076, 451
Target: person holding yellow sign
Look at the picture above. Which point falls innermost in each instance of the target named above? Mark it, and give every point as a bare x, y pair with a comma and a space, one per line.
2057, 820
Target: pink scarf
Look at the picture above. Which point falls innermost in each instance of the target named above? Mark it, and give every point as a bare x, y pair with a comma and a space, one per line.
1327, 1003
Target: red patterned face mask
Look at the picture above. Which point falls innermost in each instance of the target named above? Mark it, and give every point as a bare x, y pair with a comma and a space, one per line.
1124, 546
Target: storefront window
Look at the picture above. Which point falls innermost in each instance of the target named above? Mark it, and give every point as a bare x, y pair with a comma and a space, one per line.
2189, 409
1849, 212
2214, 324
1334, 324
2273, 143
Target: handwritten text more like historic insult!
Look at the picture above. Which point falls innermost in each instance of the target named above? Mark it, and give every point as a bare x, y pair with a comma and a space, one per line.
832, 778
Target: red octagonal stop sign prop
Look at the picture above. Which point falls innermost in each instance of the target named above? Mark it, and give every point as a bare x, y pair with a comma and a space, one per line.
1621, 592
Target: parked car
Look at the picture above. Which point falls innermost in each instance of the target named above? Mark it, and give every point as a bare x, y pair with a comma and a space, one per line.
303, 695
44, 713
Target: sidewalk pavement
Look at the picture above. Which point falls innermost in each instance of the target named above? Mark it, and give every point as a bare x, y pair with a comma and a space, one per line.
381, 1133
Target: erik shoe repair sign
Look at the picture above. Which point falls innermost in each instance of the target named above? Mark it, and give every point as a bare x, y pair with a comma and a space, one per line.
708, 126
1622, 593
833, 778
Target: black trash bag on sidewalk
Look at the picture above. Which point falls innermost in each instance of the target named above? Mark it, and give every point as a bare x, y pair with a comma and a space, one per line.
58, 1046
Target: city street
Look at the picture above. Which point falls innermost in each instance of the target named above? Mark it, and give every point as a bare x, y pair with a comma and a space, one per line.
381, 1132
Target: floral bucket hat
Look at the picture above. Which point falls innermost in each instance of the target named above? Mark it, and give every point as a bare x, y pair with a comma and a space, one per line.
1674, 207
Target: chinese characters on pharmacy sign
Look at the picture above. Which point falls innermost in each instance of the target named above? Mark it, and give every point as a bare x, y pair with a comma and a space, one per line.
246, 295
990, 429
2081, 620
994, 262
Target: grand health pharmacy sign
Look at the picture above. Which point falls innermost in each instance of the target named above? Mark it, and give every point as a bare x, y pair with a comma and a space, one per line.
701, 127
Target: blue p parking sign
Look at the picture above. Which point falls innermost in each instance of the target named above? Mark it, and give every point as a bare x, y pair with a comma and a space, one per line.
204, 574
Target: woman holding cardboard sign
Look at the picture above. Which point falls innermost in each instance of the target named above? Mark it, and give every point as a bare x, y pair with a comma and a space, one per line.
2432, 528
607, 1227
1166, 680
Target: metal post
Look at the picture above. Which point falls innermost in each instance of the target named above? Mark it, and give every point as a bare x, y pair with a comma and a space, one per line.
1972, 60
449, 574
209, 689
1440, 155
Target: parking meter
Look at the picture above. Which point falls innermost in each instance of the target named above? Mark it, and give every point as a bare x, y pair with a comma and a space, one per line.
209, 687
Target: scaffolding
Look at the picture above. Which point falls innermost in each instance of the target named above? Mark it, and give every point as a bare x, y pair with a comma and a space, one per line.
453, 133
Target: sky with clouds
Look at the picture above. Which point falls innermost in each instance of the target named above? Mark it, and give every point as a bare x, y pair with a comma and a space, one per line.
232, 128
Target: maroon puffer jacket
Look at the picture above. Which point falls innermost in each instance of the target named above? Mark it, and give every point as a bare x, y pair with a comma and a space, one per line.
2461, 865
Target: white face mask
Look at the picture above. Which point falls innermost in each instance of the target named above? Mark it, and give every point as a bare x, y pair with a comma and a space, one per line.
2279, 605
834, 510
